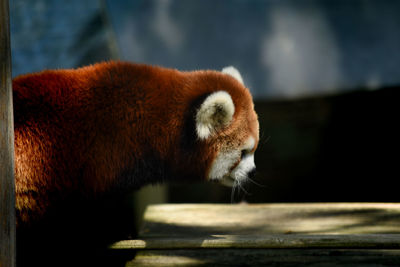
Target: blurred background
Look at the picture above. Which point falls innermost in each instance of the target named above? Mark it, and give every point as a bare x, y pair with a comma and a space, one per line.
324, 75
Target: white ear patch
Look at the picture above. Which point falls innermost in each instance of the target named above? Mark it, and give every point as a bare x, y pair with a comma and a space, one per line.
215, 112
232, 71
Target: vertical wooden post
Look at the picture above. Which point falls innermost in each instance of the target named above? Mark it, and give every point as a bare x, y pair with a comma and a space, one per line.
7, 191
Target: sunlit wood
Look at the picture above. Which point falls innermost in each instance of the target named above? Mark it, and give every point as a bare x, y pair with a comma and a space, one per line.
267, 234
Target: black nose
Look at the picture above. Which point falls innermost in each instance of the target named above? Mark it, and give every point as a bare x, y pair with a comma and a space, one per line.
252, 173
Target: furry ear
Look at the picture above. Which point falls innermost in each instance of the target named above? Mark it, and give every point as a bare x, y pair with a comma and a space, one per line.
215, 112
232, 71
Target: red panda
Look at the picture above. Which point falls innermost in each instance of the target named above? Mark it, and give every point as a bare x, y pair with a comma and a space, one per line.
114, 126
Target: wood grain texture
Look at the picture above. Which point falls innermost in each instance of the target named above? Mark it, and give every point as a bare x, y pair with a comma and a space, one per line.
267, 257
259, 219
7, 195
322, 234
384, 241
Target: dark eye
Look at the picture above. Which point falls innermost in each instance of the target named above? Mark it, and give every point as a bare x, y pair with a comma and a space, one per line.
243, 153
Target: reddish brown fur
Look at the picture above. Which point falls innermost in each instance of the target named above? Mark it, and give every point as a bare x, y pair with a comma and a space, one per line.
86, 130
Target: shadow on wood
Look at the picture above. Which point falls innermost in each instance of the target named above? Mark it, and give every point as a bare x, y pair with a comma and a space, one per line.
337, 234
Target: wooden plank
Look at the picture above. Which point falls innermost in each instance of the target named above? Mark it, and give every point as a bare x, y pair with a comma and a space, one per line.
259, 219
383, 241
7, 194
321, 225
328, 234
267, 257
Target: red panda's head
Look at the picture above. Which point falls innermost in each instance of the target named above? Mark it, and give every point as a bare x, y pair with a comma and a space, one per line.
227, 122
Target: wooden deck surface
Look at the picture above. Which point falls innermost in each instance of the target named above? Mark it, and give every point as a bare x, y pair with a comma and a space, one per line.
335, 234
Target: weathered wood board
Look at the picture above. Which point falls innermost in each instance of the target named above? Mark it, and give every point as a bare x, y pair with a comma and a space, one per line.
7, 195
328, 234
267, 257
321, 218
387, 241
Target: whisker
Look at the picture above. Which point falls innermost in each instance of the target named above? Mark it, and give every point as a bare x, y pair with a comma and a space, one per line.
244, 190
262, 134
233, 192
265, 141
254, 182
